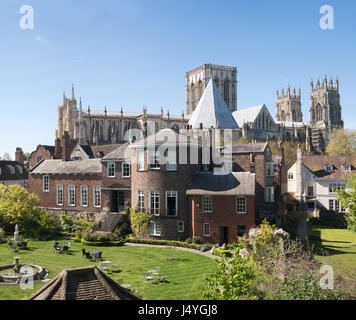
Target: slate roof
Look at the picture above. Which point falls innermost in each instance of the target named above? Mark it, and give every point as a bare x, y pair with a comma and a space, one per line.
212, 110
6, 165
317, 164
247, 115
234, 183
85, 166
104, 149
246, 148
119, 153
163, 136
88, 283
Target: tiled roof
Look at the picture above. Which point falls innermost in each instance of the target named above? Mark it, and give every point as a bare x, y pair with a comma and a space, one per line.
5, 168
246, 148
85, 166
104, 149
212, 110
87, 283
235, 183
120, 152
317, 164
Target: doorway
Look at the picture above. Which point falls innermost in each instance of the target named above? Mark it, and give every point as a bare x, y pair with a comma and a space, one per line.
224, 235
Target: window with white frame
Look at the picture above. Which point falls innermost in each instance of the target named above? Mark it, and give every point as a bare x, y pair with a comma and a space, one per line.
59, 195
241, 205
140, 200
126, 170
269, 196
171, 160
71, 196
206, 230
335, 186
337, 206
171, 203
207, 204
45, 183
269, 169
154, 202
331, 205
20, 170
154, 159
140, 160
155, 228
97, 196
180, 226
310, 191
84, 196
111, 169
290, 176
346, 167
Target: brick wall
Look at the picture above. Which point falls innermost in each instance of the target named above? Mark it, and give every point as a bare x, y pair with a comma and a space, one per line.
162, 181
48, 199
40, 152
223, 215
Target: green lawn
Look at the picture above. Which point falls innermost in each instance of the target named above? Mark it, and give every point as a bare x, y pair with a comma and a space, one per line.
184, 270
338, 249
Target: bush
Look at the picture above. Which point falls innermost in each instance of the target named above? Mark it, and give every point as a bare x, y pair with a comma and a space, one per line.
118, 243
140, 222
99, 237
222, 252
305, 286
165, 243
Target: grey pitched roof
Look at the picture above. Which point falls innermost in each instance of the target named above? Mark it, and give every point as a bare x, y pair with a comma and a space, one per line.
234, 183
212, 110
119, 153
246, 148
85, 166
247, 115
164, 136
87, 283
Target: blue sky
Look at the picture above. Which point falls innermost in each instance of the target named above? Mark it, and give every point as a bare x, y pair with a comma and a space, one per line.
136, 52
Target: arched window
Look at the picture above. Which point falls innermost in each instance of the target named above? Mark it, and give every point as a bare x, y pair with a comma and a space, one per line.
294, 116
192, 91
283, 116
216, 80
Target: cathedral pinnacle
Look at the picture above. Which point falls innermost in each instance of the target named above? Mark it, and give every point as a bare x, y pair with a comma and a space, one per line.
72, 91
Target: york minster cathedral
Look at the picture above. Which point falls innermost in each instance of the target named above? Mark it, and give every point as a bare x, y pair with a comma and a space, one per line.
211, 93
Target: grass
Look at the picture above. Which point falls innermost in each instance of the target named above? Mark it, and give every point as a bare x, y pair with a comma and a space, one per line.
184, 270
337, 248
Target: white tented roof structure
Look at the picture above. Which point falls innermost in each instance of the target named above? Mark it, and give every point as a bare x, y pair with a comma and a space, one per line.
212, 111
247, 115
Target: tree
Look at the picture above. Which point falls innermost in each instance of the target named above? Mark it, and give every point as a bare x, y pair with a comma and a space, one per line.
6, 156
342, 142
18, 206
233, 279
290, 150
347, 198
242, 140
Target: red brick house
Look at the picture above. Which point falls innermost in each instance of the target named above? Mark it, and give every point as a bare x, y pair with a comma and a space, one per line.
116, 178
257, 158
222, 207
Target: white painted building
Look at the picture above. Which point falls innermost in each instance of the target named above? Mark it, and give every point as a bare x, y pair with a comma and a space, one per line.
313, 180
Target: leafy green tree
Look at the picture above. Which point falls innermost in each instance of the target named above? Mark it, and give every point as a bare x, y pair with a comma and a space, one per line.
347, 198
233, 279
18, 206
342, 142
290, 150
243, 140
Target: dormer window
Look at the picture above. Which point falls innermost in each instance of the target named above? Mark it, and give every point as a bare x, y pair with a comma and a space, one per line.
328, 168
346, 168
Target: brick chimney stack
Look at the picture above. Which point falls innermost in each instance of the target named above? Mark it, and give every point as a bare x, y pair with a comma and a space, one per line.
57, 149
19, 155
65, 147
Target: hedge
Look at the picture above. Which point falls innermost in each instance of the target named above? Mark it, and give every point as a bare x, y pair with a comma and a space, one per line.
165, 243
222, 252
102, 243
